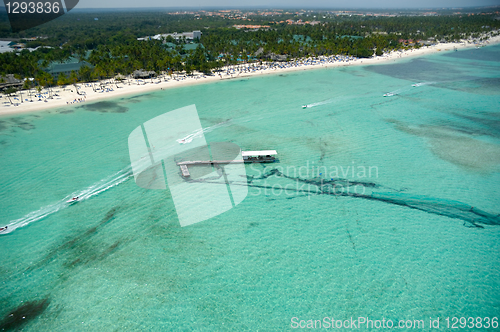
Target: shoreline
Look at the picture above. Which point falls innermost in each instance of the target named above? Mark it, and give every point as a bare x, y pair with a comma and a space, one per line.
65, 96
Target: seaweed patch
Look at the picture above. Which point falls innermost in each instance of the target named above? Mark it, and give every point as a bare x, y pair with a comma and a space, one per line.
17, 122
104, 107
472, 216
81, 249
26, 312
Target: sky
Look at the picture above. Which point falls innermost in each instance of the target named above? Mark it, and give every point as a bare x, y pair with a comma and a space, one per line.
288, 3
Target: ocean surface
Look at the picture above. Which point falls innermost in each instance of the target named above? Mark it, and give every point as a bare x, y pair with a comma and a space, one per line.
379, 207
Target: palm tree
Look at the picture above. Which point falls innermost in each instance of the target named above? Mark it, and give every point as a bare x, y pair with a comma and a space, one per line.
27, 86
85, 74
73, 78
40, 79
8, 92
61, 80
50, 81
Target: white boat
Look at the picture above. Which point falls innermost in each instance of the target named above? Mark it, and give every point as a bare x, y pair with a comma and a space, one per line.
73, 200
388, 94
185, 140
304, 106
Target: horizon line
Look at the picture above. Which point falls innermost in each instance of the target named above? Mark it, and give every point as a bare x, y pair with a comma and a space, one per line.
278, 7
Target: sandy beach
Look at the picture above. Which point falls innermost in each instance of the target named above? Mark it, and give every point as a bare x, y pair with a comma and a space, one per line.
25, 102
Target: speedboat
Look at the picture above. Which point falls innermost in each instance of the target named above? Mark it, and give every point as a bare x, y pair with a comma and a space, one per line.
187, 139
3, 229
73, 200
388, 94
304, 106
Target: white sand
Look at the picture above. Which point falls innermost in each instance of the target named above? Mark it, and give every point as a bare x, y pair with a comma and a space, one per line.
68, 94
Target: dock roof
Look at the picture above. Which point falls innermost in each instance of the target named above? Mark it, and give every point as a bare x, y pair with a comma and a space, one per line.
258, 153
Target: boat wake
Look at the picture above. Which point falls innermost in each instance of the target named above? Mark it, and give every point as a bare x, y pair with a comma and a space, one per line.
318, 103
422, 84
103, 185
93, 190
397, 92
199, 133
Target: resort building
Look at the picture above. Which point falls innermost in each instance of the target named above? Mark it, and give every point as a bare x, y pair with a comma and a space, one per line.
9, 81
141, 73
72, 64
187, 36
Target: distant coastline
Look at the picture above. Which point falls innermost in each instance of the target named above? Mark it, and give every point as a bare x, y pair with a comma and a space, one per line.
87, 92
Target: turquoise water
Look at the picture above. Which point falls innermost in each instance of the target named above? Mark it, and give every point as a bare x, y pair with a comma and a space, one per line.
416, 234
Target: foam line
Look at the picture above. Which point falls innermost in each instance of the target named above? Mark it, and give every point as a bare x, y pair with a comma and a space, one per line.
93, 190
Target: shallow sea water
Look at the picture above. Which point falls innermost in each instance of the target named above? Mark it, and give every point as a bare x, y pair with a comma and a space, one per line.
420, 240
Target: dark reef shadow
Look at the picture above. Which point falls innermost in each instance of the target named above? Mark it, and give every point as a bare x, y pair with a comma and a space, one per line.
26, 312
104, 107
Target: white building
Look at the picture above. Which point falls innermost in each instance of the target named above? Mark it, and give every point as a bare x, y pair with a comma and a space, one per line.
188, 36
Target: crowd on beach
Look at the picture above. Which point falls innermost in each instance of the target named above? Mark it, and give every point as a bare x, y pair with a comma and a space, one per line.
77, 100
18, 99
235, 71
230, 71
126, 84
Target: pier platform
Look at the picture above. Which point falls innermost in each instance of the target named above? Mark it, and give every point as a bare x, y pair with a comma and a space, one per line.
265, 156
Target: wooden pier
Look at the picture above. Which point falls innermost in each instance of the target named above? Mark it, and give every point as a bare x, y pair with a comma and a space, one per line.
206, 162
266, 156
184, 170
